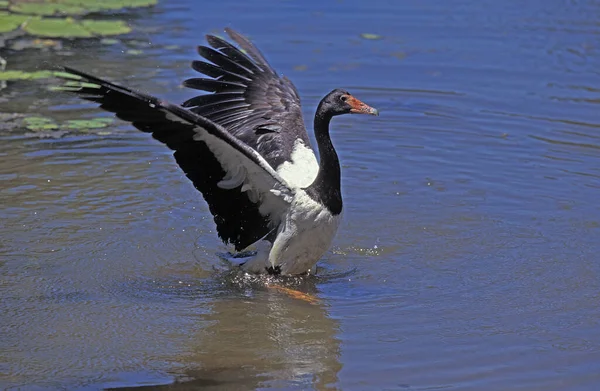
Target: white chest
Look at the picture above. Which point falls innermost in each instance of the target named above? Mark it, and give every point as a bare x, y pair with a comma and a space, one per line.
304, 236
302, 169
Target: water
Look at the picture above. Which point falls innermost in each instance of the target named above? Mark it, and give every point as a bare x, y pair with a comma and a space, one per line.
468, 255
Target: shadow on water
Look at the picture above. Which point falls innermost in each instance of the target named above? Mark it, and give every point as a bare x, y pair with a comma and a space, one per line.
256, 332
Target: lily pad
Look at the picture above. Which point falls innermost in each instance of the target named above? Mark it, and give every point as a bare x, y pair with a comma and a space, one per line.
9, 22
39, 123
109, 41
106, 27
57, 28
22, 75
74, 7
96, 5
370, 36
46, 9
70, 28
82, 124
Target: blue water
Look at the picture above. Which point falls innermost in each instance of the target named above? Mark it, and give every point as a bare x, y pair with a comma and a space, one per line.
468, 254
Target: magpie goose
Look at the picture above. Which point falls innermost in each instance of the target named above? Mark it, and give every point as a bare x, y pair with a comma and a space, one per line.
245, 148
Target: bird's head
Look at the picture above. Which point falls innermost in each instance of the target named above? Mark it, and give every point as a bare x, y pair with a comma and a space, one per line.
339, 102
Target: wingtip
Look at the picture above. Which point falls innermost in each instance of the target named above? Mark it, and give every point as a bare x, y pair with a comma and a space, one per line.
234, 34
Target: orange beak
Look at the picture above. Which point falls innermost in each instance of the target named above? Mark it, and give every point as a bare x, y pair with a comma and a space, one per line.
359, 107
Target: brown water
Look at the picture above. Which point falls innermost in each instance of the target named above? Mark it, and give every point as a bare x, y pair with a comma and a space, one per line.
468, 256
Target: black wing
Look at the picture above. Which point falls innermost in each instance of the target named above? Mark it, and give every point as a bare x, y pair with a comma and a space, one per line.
248, 98
196, 141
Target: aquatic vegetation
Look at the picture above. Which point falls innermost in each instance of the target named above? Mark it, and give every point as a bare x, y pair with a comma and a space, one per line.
40, 124
39, 17
73, 7
109, 41
22, 75
71, 28
83, 124
9, 22
370, 36
47, 24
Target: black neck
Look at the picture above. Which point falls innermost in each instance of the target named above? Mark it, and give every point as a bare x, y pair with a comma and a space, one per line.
327, 186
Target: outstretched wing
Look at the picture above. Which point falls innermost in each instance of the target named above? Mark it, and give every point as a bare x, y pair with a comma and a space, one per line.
253, 103
245, 195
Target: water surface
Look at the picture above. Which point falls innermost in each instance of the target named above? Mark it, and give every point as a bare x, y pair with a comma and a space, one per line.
468, 254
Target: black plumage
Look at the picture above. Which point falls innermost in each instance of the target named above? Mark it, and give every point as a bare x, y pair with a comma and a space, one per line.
249, 99
194, 158
245, 148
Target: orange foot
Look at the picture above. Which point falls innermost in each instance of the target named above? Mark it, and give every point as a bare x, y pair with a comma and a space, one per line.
295, 294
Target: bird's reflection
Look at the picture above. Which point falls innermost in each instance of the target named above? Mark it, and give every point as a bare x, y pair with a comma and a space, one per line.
260, 335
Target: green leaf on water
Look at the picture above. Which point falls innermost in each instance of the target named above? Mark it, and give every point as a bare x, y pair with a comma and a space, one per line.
57, 28
10, 22
67, 75
370, 36
82, 124
71, 28
46, 9
63, 88
106, 27
109, 41
39, 123
80, 84
22, 75
73, 7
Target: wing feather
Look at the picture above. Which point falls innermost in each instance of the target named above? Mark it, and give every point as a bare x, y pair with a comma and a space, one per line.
209, 155
244, 75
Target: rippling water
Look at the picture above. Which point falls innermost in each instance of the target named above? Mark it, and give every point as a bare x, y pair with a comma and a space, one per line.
468, 257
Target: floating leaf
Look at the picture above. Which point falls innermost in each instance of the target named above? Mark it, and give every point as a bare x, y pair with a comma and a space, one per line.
67, 75
81, 124
74, 7
10, 22
46, 9
96, 5
63, 88
57, 28
80, 84
109, 41
106, 27
22, 75
370, 36
70, 28
39, 123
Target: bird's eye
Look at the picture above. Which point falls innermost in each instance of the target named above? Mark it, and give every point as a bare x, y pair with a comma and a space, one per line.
343, 98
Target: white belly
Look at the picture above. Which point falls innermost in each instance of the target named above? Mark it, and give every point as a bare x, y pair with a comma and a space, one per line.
304, 236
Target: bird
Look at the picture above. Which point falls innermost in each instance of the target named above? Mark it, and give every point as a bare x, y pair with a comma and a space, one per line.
244, 146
